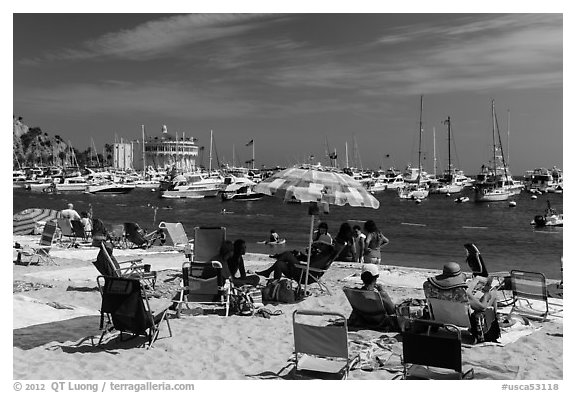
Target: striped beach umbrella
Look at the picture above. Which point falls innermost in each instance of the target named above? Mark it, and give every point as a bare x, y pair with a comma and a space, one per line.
320, 185
25, 221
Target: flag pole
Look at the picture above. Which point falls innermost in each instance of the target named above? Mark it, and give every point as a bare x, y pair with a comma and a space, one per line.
309, 252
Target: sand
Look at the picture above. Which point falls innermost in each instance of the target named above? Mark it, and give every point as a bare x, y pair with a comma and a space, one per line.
56, 322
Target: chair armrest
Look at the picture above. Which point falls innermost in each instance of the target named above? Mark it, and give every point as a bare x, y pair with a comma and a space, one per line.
131, 261
312, 269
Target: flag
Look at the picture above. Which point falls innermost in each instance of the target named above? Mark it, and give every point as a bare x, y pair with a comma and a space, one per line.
250, 143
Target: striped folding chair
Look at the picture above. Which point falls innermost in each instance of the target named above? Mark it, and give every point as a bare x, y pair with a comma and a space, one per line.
530, 295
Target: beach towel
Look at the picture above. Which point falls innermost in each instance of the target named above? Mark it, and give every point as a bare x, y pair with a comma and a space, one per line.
380, 353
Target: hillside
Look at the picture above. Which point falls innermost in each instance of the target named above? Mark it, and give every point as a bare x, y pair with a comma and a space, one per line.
32, 146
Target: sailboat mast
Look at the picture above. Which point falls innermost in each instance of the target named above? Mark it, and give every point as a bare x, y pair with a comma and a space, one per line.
210, 156
143, 153
494, 137
420, 142
434, 145
346, 145
449, 150
508, 140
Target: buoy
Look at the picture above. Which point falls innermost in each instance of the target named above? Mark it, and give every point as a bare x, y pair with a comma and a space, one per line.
418, 200
447, 194
533, 197
512, 204
152, 190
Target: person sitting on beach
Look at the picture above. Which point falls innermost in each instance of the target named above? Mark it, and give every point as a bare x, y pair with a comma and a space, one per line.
321, 234
236, 265
70, 213
224, 254
274, 237
345, 239
373, 242
86, 222
451, 285
358, 243
388, 321
286, 261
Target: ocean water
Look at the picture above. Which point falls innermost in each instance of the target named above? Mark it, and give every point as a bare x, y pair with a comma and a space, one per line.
421, 235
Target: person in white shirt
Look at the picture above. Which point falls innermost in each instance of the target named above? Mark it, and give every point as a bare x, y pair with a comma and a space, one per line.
358, 246
70, 213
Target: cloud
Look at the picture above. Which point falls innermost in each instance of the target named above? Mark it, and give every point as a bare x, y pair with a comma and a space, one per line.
159, 38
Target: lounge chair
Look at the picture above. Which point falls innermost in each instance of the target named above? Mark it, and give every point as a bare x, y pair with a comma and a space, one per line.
117, 236
454, 312
107, 265
66, 230
530, 294
315, 273
203, 284
78, 229
369, 307
128, 309
207, 242
41, 252
432, 350
321, 345
134, 235
175, 234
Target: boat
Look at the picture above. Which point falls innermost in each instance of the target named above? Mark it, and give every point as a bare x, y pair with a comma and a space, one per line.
491, 185
192, 186
45, 184
419, 189
76, 183
448, 183
551, 218
239, 188
544, 180
18, 179
110, 187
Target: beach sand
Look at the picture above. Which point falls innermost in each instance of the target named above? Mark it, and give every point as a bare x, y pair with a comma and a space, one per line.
56, 324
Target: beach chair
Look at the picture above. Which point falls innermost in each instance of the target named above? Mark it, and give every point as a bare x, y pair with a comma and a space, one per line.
41, 252
78, 229
127, 308
66, 230
207, 242
315, 273
203, 284
175, 234
321, 345
432, 350
134, 235
530, 294
107, 265
478, 267
368, 306
456, 310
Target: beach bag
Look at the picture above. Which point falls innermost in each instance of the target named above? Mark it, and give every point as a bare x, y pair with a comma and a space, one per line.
482, 330
241, 302
280, 291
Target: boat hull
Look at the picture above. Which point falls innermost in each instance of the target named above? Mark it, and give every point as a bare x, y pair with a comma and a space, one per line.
491, 196
190, 194
109, 189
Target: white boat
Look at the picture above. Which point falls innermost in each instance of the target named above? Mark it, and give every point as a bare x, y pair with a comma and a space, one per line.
45, 184
544, 180
110, 187
239, 188
193, 186
18, 179
551, 218
492, 185
419, 189
77, 183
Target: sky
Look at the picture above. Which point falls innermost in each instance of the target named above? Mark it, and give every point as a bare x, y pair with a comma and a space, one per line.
300, 84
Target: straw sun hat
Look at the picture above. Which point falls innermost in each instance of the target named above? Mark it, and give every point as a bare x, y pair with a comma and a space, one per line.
451, 277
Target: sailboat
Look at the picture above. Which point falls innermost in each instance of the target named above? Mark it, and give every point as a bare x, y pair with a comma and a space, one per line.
418, 190
448, 184
491, 186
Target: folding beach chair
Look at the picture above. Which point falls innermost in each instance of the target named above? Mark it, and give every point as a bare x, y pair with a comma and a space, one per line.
107, 265
315, 273
530, 294
455, 312
207, 242
78, 229
175, 234
41, 252
128, 309
369, 307
203, 284
66, 230
432, 350
134, 235
321, 345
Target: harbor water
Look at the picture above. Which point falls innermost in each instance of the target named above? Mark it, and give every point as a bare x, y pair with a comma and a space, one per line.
426, 235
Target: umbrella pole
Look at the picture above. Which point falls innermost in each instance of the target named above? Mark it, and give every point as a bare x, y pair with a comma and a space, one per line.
309, 252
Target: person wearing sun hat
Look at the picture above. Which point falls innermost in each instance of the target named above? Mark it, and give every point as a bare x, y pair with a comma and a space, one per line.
369, 276
451, 277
